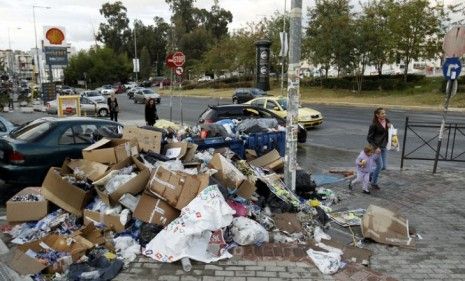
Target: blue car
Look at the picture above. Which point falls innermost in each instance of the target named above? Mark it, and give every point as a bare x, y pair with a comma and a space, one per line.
5, 126
27, 152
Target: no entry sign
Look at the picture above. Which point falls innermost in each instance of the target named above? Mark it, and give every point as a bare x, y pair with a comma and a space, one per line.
176, 59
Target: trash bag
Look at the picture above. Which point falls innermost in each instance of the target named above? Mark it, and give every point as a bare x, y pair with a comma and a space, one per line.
247, 232
304, 185
253, 125
327, 262
147, 232
98, 269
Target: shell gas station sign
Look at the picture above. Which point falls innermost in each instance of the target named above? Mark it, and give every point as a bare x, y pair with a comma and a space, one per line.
54, 36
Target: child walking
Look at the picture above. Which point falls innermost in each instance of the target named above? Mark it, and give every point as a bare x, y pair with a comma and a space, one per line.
364, 165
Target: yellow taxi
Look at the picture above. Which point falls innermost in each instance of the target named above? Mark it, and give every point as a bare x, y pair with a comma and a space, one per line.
308, 117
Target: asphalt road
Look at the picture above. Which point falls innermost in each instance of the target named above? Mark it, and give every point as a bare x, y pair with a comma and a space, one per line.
344, 127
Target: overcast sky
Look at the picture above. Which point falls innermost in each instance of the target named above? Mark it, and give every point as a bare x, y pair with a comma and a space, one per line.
81, 17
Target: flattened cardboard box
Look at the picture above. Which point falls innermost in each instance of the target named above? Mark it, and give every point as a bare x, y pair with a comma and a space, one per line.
62, 193
183, 151
228, 175
176, 188
93, 170
147, 139
110, 221
154, 210
21, 211
57, 243
386, 226
133, 186
272, 160
110, 151
22, 263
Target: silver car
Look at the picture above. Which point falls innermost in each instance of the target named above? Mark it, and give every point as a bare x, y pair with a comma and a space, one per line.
95, 96
88, 107
144, 94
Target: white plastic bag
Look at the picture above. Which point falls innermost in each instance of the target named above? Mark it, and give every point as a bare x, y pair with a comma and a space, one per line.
393, 139
189, 234
327, 263
127, 247
247, 232
319, 234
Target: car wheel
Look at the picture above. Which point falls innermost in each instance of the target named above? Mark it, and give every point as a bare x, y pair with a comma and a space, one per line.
103, 112
235, 101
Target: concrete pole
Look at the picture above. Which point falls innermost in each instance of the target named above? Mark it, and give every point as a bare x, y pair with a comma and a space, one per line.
283, 59
293, 93
135, 51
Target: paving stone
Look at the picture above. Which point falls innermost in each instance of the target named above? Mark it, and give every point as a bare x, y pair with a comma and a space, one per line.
224, 273
267, 274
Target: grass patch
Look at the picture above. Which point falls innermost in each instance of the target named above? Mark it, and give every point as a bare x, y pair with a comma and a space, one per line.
426, 93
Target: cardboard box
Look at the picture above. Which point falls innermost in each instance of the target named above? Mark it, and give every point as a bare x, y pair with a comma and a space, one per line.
272, 160
110, 151
134, 186
93, 170
21, 211
22, 263
62, 193
183, 151
246, 189
110, 221
228, 175
176, 188
57, 243
153, 210
147, 139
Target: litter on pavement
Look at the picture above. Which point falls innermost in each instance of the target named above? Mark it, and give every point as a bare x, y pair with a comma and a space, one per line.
175, 195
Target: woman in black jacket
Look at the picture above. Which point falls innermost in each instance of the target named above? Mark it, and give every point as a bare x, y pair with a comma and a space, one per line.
150, 112
378, 138
113, 107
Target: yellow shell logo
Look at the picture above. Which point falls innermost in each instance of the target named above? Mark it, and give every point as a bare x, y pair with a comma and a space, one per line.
55, 36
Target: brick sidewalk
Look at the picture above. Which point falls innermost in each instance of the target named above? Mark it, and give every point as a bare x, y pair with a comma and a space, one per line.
430, 202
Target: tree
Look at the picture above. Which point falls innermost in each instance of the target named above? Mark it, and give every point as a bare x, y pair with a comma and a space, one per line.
145, 63
416, 28
115, 34
218, 20
378, 37
102, 66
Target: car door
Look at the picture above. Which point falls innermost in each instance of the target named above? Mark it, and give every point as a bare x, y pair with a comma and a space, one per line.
74, 138
87, 106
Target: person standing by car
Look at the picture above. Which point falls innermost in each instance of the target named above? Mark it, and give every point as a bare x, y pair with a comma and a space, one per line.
151, 112
378, 138
113, 107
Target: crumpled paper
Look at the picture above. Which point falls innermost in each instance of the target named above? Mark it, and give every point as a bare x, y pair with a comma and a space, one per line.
189, 234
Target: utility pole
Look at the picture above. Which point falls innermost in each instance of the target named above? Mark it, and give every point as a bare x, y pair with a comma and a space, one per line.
284, 55
293, 93
135, 51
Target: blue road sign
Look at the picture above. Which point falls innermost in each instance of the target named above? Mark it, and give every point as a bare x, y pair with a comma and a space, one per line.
451, 68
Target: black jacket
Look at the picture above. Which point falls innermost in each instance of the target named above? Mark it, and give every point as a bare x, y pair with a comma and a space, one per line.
151, 114
378, 135
114, 108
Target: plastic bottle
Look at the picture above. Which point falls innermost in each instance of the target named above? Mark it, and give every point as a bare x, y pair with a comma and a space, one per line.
186, 264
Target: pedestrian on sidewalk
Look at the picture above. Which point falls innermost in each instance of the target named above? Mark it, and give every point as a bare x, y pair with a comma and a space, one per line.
11, 97
113, 107
364, 166
151, 112
378, 137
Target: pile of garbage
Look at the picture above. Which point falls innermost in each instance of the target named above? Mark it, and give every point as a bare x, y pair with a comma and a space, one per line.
159, 196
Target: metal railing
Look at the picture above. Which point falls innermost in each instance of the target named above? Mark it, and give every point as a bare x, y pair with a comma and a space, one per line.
452, 147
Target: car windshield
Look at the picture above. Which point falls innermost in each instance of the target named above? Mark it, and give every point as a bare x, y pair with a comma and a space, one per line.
148, 92
282, 103
31, 131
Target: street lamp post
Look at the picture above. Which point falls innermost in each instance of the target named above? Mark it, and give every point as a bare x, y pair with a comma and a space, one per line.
135, 52
35, 37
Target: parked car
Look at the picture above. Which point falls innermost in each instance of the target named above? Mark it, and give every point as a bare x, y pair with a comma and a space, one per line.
204, 79
66, 90
29, 151
308, 117
106, 90
242, 95
164, 82
131, 92
143, 95
94, 95
5, 126
88, 107
130, 85
243, 111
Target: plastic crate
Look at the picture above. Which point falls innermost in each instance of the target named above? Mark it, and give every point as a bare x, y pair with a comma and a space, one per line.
265, 142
